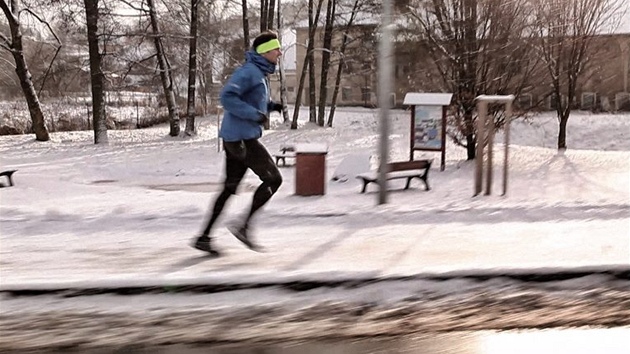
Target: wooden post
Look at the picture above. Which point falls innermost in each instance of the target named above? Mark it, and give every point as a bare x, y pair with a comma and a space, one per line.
443, 157
506, 139
490, 147
412, 130
482, 108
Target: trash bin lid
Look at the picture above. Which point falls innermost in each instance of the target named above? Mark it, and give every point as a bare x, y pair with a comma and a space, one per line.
311, 148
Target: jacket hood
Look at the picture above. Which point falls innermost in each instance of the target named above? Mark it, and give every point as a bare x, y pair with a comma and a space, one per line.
263, 64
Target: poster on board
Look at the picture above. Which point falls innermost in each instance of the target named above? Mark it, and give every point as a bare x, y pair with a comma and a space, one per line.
428, 128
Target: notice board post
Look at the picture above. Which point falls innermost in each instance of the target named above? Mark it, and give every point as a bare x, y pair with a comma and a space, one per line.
428, 123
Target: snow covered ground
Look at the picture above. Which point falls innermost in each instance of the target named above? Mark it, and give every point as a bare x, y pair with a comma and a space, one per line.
86, 216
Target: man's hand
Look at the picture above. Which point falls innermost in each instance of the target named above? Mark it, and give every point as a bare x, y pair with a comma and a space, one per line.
277, 107
262, 118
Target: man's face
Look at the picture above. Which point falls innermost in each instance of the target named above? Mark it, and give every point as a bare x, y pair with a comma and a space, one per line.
273, 55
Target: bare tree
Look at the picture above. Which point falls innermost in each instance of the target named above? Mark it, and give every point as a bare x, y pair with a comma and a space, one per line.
331, 7
283, 84
192, 68
342, 51
165, 72
16, 48
565, 34
97, 78
267, 12
313, 19
313, 24
477, 46
213, 36
267, 8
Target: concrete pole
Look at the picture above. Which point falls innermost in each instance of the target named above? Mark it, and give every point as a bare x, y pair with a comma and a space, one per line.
385, 77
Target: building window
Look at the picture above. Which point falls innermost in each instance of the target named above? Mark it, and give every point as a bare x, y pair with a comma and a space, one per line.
346, 94
366, 95
622, 101
589, 101
524, 101
348, 67
290, 88
552, 101
402, 71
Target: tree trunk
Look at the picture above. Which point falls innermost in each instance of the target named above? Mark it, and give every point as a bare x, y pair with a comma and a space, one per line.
192, 69
96, 73
283, 84
245, 26
24, 75
270, 13
312, 95
263, 15
312, 85
165, 73
562, 131
323, 81
298, 97
471, 138
468, 72
335, 94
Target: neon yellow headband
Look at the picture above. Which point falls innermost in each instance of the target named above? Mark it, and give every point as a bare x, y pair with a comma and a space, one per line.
268, 46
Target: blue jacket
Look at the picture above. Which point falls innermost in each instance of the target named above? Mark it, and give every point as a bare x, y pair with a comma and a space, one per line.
244, 97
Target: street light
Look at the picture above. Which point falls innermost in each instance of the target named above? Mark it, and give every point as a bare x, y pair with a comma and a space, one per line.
385, 74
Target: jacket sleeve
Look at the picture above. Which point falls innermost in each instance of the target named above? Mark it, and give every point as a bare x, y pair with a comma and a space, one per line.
232, 96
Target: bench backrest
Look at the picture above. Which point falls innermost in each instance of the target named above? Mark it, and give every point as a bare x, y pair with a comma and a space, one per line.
409, 165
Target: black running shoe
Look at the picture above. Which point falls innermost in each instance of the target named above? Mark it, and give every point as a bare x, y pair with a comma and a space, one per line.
240, 232
203, 244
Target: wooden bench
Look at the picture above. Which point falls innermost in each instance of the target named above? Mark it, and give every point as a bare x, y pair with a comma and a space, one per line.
286, 151
404, 169
9, 175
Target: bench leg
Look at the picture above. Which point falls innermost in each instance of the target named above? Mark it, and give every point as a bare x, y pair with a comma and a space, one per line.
278, 158
408, 182
365, 183
426, 183
9, 176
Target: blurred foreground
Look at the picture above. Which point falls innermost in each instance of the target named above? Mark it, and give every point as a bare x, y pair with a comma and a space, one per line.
567, 341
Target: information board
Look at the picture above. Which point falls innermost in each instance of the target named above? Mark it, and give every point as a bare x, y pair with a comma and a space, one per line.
428, 128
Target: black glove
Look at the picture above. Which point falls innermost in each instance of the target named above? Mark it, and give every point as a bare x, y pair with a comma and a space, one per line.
277, 107
262, 118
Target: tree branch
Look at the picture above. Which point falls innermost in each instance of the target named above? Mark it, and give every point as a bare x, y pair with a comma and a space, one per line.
134, 7
6, 44
42, 21
8, 13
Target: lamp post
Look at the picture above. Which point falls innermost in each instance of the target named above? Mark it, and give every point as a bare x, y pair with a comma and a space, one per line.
385, 88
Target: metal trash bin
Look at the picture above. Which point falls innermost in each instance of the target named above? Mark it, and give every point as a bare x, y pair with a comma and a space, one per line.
310, 169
